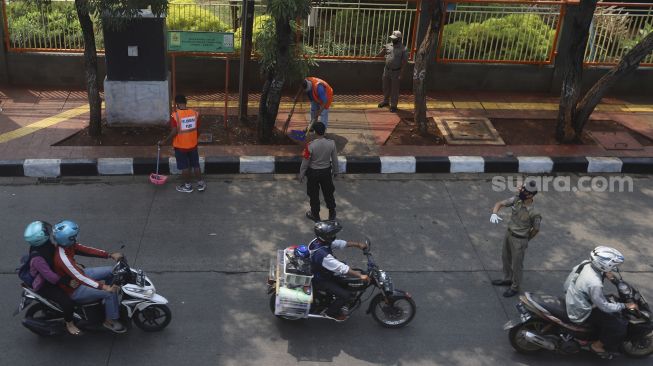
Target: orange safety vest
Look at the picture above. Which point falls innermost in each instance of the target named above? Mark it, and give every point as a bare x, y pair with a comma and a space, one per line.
329, 91
186, 137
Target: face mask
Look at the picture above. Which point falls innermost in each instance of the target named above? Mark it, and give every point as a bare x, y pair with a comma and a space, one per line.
523, 195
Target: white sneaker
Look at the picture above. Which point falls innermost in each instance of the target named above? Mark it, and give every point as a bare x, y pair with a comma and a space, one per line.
201, 186
185, 188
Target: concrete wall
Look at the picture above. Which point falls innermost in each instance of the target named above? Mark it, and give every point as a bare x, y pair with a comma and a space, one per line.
66, 71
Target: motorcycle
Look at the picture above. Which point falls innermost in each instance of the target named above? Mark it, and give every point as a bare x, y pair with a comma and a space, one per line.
292, 296
137, 296
544, 325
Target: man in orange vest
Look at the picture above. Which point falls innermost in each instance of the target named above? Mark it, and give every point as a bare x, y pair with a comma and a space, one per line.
184, 124
321, 96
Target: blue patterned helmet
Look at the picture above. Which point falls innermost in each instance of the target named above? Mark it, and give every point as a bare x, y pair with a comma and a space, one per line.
302, 252
65, 233
37, 233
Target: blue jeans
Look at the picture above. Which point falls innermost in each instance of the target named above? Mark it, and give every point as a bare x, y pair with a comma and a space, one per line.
84, 294
324, 117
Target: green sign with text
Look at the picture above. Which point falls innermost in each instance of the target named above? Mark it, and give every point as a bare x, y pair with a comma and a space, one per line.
209, 42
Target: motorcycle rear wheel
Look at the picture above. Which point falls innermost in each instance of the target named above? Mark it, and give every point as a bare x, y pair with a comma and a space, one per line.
517, 340
394, 315
42, 312
641, 350
153, 318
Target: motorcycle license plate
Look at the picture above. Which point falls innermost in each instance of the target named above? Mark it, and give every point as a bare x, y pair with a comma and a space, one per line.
523, 312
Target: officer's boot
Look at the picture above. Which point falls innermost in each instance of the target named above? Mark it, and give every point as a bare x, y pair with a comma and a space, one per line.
332, 214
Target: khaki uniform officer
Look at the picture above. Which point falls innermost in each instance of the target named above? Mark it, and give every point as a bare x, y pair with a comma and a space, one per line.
523, 226
396, 57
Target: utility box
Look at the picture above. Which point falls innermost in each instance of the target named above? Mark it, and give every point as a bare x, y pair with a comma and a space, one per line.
137, 84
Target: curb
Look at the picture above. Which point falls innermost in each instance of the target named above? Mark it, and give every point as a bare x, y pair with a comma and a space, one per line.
52, 168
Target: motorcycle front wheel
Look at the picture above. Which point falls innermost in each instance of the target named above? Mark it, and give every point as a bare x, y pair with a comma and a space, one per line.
519, 342
153, 318
396, 313
639, 349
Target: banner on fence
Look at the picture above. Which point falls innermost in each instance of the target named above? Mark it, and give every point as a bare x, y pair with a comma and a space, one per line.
208, 42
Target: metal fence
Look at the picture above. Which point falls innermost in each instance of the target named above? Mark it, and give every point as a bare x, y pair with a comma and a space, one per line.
500, 32
480, 31
357, 30
616, 28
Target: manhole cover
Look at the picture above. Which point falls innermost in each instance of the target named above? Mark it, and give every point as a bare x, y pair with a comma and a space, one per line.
616, 140
468, 130
205, 137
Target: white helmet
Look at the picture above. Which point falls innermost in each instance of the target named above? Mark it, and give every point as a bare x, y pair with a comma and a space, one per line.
606, 259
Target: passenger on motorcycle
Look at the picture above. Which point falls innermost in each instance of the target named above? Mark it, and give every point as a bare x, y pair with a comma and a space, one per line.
587, 303
41, 262
324, 265
95, 282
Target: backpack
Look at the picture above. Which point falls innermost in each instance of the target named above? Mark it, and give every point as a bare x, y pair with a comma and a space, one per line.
23, 270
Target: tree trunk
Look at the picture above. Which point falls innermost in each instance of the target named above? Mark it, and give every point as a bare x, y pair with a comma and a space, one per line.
90, 64
626, 65
275, 81
577, 22
423, 58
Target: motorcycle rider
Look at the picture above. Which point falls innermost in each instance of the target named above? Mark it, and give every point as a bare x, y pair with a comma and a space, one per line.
41, 262
587, 303
93, 280
324, 265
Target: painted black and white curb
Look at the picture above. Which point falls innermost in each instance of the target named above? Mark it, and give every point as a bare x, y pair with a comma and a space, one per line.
347, 164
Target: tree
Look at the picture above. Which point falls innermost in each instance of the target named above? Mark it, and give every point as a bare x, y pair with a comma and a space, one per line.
577, 23
433, 10
281, 58
112, 13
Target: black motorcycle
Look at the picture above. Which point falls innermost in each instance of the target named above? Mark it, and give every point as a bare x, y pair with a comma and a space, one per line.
544, 325
390, 307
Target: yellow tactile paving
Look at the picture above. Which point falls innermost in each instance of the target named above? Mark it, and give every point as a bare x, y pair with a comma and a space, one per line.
467, 105
44, 123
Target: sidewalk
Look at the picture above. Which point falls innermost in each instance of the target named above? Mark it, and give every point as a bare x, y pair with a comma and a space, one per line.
32, 120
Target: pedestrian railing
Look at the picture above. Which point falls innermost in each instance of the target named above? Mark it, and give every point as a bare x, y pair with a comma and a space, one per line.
616, 28
357, 30
500, 32
479, 31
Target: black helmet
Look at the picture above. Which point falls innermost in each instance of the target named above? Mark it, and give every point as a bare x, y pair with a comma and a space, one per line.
326, 230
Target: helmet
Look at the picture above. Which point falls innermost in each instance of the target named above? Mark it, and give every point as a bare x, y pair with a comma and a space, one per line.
606, 259
37, 233
65, 233
326, 230
301, 252
530, 186
306, 85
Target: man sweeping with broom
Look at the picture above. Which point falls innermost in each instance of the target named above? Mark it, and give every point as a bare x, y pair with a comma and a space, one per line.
320, 94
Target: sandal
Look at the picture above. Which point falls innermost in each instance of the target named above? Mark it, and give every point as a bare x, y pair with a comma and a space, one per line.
602, 354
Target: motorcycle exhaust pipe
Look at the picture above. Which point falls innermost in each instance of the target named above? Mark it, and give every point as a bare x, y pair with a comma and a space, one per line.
539, 341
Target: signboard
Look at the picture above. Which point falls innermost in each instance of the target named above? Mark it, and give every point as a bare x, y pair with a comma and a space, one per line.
209, 42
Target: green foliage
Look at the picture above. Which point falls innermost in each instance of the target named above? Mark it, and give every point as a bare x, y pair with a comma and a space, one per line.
266, 49
259, 23
363, 29
43, 25
267, 43
514, 37
191, 17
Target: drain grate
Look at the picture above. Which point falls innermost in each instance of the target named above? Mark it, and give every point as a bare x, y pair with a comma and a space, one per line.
468, 131
616, 140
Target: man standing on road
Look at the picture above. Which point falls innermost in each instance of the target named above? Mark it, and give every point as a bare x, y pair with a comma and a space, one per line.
320, 165
396, 57
523, 226
321, 96
184, 124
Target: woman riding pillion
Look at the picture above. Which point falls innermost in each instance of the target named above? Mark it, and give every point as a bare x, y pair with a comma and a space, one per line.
41, 262
94, 282
325, 265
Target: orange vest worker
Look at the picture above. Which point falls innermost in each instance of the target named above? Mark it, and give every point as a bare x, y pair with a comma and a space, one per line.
316, 98
186, 121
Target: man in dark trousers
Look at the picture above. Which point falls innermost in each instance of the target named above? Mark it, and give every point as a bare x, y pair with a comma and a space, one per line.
396, 58
320, 165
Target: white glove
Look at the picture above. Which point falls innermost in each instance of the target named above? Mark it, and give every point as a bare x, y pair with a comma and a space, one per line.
495, 218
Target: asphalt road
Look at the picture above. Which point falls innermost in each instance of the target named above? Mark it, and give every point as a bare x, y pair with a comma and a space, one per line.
208, 253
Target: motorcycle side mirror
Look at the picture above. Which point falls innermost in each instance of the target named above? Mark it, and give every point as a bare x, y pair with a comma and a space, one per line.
368, 243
